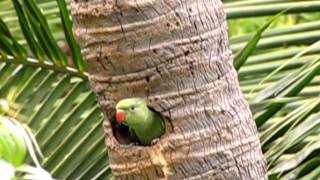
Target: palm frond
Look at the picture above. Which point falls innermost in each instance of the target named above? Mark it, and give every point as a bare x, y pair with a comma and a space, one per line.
63, 116
41, 41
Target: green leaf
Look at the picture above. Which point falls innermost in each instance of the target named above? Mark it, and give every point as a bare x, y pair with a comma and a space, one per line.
67, 26
287, 81
295, 160
299, 81
34, 46
242, 55
40, 25
292, 137
9, 45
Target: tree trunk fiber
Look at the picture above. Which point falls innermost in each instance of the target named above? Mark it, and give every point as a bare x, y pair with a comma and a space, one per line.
175, 54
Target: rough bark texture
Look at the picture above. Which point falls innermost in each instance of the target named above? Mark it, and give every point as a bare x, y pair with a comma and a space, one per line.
175, 53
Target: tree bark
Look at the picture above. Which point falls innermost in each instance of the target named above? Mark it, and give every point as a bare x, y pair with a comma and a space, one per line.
175, 54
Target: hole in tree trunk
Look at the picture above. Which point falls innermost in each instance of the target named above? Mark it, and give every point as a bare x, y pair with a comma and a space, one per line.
122, 133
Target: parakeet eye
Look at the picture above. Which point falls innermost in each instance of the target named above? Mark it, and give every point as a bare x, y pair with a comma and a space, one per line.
132, 108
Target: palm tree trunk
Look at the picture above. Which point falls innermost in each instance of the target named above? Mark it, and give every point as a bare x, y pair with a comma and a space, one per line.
174, 53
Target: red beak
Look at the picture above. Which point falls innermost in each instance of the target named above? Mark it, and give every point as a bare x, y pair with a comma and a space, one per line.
120, 116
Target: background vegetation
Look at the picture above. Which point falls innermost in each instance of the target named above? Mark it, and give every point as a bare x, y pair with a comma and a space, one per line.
43, 84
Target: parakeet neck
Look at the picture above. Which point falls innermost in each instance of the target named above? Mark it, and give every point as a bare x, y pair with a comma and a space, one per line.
148, 121
150, 128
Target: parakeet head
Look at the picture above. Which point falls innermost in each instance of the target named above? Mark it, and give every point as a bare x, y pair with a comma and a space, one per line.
132, 111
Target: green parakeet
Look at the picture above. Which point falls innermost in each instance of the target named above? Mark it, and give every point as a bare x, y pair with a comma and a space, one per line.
143, 122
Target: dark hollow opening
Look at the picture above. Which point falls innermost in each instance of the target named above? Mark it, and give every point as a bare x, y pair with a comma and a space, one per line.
122, 134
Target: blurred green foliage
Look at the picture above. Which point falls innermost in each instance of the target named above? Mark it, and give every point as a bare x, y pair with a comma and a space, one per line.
243, 26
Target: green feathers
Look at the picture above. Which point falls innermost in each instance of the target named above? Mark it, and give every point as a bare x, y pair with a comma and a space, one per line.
144, 123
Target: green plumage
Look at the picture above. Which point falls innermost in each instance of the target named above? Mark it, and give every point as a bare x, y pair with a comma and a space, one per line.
143, 122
